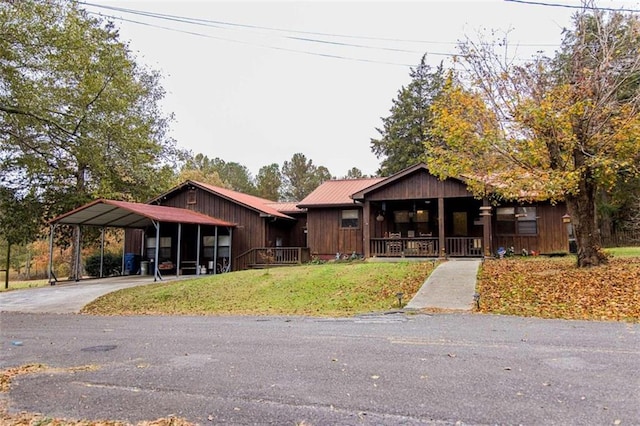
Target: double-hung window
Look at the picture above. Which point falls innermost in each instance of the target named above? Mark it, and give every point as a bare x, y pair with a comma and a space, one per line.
516, 221
349, 218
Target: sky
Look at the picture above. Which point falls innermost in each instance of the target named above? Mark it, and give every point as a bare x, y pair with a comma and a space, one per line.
255, 82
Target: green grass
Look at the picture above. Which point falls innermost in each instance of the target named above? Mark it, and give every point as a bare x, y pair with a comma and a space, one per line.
624, 251
14, 285
332, 289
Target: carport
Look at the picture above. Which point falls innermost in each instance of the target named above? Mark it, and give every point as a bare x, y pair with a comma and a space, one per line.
105, 213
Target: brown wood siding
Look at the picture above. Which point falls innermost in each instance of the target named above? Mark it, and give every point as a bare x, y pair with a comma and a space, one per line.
133, 240
552, 233
418, 186
251, 229
325, 236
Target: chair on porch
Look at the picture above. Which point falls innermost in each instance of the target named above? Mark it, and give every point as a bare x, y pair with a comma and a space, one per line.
394, 248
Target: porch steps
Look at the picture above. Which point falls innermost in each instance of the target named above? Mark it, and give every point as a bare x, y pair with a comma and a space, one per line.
451, 286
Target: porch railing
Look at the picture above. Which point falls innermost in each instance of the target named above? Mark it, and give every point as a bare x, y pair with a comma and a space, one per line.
464, 246
404, 247
426, 247
261, 257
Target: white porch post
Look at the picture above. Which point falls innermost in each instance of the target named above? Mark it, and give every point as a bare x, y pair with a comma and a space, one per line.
215, 251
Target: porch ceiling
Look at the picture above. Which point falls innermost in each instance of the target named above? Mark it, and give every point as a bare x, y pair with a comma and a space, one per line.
123, 214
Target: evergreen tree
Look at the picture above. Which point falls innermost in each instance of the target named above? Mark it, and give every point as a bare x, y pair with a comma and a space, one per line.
404, 131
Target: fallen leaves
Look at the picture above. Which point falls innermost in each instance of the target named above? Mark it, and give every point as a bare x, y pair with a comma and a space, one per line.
556, 288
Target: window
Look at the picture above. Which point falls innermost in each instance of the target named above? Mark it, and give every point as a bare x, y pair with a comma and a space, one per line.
191, 197
165, 248
349, 219
516, 221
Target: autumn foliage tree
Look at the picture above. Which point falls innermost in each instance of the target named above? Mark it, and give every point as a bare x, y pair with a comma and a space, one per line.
559, 128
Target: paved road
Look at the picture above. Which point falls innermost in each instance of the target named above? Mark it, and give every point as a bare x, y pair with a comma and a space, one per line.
378, 369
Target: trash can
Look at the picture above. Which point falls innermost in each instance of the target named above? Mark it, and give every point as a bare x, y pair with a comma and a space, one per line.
144, 267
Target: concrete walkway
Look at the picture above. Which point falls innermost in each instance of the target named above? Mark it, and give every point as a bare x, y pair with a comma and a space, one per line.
450, 286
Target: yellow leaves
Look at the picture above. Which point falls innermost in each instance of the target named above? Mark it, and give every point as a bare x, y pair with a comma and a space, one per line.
556, 288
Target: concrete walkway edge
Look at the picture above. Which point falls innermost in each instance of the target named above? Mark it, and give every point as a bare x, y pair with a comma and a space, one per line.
450, 286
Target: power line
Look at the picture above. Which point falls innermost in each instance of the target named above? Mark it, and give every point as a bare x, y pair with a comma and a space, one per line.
219, 24
326, 55
571, 6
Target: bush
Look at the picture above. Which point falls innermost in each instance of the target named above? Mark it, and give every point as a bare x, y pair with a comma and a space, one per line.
112, 264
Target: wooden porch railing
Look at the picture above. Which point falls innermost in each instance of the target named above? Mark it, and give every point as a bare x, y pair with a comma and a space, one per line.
261, 257
404, 247
426, 247
464, 246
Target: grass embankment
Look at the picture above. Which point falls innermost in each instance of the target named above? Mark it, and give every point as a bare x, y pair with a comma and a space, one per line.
331, 289
556, 288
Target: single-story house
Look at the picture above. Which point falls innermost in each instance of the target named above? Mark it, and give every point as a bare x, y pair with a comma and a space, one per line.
198, 228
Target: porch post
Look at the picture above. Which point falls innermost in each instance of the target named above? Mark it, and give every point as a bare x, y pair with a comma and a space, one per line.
178, 249
441, 238
366, 230
485, 213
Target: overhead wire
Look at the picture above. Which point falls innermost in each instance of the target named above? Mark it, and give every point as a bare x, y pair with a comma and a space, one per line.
572, 6
224, 24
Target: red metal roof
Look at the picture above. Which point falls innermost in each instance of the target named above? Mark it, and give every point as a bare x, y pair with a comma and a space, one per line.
261, 205
287, 207
123, 214
337, 192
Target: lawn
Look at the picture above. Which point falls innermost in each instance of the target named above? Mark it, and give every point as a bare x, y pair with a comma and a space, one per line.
331, 289
556, 288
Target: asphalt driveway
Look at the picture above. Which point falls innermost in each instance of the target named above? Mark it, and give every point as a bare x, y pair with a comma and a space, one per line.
374, 369
68, 296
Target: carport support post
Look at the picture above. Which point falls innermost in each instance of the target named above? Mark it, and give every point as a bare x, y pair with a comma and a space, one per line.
156, 271
50, 271
230, 248
178, 250
101, 251
198, 253
215, 251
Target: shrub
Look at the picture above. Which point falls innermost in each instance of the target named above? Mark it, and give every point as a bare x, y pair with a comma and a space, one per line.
112, 264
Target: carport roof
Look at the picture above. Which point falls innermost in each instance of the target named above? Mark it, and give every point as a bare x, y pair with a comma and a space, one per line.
123, 214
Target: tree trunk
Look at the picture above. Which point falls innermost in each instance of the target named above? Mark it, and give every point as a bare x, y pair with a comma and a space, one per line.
581, 208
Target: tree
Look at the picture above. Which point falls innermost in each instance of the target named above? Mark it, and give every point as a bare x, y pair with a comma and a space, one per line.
354, 173
269, 182
554, 129
405, 130
19, 220
301, 176
200, 169
79, 118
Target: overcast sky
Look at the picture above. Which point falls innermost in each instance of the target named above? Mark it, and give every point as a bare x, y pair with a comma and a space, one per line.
270, 79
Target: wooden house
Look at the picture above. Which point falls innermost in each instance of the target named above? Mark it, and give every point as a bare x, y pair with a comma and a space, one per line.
414, 214
197, 228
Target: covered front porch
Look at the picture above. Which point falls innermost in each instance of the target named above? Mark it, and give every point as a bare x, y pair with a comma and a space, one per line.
429, 227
